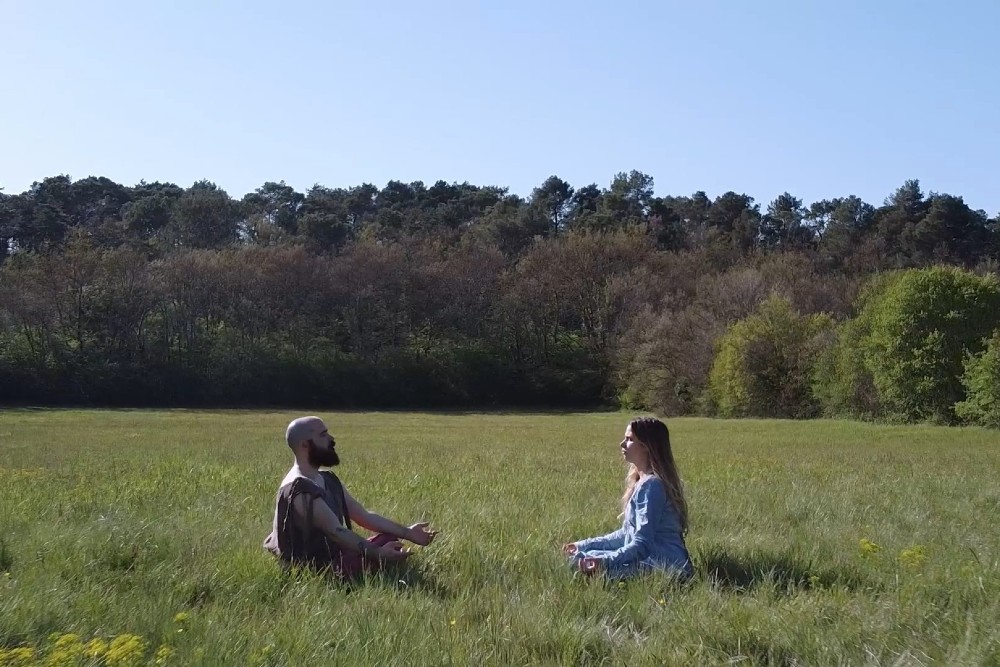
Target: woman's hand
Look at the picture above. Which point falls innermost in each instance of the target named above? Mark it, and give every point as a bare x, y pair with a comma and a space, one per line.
569, 549
589, 565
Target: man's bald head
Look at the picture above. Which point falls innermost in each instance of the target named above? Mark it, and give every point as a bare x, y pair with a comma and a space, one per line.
302, 429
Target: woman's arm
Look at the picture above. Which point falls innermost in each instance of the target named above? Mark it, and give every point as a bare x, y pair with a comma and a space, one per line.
650, 502
613, 540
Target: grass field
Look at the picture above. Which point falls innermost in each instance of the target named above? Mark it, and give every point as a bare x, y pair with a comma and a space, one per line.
133, 537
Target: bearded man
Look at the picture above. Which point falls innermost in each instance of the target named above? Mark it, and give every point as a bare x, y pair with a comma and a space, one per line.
314, 513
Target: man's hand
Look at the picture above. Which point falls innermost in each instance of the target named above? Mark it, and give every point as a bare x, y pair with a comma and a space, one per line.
589, 565
393, 551
569, 549
418, 534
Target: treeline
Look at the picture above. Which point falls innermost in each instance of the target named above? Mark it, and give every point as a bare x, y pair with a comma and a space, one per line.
462, 295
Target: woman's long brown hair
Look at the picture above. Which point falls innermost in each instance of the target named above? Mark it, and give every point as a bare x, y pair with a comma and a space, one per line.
654, 436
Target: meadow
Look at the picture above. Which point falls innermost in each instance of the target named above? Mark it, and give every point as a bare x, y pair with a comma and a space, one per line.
134, 537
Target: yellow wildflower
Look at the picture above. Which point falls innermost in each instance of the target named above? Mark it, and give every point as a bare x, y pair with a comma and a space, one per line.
66, 650
181, 617
260, 655
125, 650
68, 640
913, 557
95, 648
163, 654
868, 547
17, 657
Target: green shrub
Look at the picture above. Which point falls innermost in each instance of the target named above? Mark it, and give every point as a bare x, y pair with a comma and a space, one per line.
842, 382
982, 386
901, 357
764, 363
922, 328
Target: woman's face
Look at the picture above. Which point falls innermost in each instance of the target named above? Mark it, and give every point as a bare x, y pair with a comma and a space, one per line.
634, 451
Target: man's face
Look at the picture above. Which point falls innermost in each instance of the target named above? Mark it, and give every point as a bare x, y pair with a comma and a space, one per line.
322, 450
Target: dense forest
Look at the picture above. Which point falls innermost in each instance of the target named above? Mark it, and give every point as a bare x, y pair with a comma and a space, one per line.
457, 295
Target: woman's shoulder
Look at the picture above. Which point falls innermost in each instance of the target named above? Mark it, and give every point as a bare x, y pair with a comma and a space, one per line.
650, 484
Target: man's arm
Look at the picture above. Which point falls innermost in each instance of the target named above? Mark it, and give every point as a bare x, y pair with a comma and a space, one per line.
372, 521
417, 533
327, 521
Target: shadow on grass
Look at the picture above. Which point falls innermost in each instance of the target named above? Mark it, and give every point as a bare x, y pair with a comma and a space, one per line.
401, 577
758, 651
406, 576
6, 557
786, 572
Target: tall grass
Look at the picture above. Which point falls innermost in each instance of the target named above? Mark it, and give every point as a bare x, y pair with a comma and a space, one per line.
815, 543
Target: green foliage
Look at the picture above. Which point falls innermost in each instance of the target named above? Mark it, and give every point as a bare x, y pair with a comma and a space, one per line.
922, 328
842, 382
764, 363
982, 386
782, 226
902, 356
204, 217
158, 294
949, 232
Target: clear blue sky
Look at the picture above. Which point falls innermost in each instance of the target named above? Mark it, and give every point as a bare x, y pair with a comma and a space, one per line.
820, 99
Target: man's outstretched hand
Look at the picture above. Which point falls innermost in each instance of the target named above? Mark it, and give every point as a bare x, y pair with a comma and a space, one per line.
420, 535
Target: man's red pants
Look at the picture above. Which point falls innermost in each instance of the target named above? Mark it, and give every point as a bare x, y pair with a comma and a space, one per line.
352, 565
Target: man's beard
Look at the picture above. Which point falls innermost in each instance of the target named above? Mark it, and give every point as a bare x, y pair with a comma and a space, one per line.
321, 457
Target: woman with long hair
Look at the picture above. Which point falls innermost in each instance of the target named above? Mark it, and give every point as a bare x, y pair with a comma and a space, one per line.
654, 510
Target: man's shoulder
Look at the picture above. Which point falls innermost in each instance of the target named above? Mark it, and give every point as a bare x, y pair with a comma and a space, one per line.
331, 479
328, 474
295, 475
